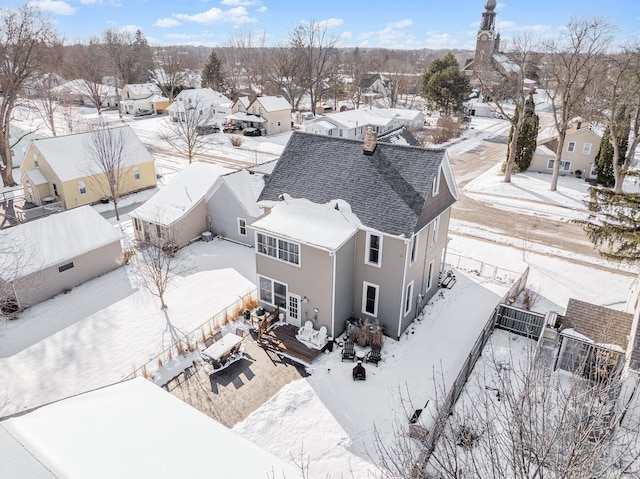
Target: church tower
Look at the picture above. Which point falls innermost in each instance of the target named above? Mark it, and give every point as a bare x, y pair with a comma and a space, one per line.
488, 40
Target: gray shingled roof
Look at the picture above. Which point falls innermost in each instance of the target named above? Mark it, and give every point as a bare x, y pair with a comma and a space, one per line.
598, 323
399, 136
386, 190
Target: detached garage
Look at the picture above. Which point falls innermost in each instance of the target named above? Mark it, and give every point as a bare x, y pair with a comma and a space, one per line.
45, 257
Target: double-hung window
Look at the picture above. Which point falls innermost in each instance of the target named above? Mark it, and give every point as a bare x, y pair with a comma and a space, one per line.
370, 298
408, 300
82, 187
278, 248
273, 292
436, 228
242, 227
571, 147
414, 247
373, 250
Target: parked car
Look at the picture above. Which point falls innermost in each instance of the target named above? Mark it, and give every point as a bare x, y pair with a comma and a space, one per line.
142, 112
207, 129
232, 128
251, 132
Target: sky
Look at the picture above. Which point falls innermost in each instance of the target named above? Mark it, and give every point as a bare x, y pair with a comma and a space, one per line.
413, 24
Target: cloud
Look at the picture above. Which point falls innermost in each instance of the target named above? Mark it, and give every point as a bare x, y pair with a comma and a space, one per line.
240, 2
330, 23
130, 28
237, 16
166, 23
58, 7
91, 2
262, 9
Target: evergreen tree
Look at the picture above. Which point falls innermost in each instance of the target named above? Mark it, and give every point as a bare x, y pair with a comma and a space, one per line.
604, 158
213, 75
615, 231
528, 137
444, 86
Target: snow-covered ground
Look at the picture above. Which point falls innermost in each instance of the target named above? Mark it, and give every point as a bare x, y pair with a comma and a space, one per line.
101, 331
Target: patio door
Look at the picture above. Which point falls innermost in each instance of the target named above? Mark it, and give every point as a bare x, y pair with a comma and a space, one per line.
293, 309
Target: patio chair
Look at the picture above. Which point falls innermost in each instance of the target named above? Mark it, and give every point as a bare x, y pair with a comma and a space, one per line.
208, 342
217, 336
305, 332
240, 332
359, 373
349, 350
374, 355
319, 338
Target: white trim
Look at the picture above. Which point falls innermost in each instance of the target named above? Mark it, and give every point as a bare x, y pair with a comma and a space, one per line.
432, 264
365, 286
277, 249
413, 250
586, 149
272, 302
436, 182
408, 298
571, 146
367, 250
240, 227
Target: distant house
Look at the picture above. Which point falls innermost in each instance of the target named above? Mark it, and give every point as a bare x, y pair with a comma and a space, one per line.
353, 228
79, 92
272, 114
79, 437
354, 123
208, 104
53, 254
203, 197
59, 168
142, 96
581, 145
376, 83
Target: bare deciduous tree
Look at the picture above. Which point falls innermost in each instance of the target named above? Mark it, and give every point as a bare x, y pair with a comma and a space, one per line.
25, 37
317, 51
503, 81
155, 262
88, 64
172, 69
44, 96
283, 74
570, 69
109, 165
183, 135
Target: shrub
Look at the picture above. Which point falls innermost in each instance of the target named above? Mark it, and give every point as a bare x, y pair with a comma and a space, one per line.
236, 140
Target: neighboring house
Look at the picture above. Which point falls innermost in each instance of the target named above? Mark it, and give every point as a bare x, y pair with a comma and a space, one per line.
78, 437
210, 105
272, 114
376, 83
353, 228
203, 197
178, 212
399, 136
354, 123
54, 254
581, 146
60, 169
78, 92
142, 96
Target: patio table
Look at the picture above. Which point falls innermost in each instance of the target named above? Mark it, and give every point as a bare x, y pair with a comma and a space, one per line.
222, 346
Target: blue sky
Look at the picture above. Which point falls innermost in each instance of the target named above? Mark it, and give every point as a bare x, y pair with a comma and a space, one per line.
370, 23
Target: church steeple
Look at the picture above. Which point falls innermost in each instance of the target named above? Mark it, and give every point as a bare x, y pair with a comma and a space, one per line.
488, 40
488, 17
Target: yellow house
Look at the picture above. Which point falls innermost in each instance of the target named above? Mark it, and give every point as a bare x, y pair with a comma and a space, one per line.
63, 168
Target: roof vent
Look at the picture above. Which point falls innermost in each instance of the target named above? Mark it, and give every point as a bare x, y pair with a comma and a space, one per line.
370, 142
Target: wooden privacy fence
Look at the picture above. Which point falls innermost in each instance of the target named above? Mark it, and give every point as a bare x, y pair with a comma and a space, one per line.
429, 439
520, 321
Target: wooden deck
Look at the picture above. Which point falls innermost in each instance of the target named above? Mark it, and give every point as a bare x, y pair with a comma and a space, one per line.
282, 339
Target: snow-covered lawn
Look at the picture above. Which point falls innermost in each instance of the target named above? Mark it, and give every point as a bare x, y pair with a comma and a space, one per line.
103, 330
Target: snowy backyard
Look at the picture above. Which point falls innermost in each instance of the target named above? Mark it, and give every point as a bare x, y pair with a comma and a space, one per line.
102, 331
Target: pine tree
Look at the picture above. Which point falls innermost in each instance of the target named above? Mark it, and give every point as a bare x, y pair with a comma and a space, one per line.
444, 86
604, 158
528, 137
213, 74
615, 231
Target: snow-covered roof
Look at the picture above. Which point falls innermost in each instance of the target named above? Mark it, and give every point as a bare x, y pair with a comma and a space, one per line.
322, 225
273, 103
143, 88
186, 190
246, 187
242, 116
55, 239
543, 150
83, 87
66, 154
204, 95
507, 65
325, 124
243, 100
129, 429
36, 177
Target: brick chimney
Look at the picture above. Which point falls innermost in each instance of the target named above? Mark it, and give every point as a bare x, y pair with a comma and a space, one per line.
370, 142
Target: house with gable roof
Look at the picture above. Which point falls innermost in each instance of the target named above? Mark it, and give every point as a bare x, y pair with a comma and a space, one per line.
272, 114
210, 105
142, 96
578, 156
203, 197
56, 253
353, 229
60, 168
